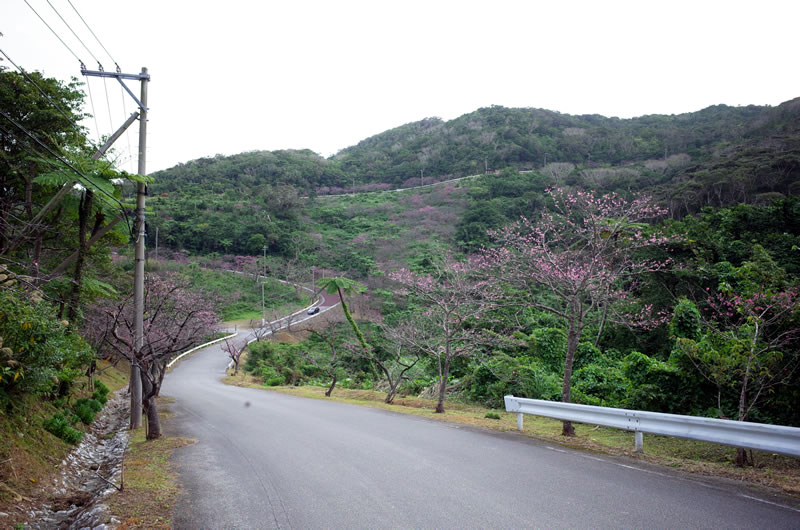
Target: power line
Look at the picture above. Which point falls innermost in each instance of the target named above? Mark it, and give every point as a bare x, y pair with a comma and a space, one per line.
94, 114
114, 203
77, 128
75, 34
43, 93
125, 110
93, 35
54, 33
58, 157
108, 104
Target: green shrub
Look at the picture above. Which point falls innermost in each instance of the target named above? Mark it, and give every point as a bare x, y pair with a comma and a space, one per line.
549, 347
603, 385
51, 354
492, 415
101, 398
59, 426
654, 385
100, 388
86, 409
270, 376
72, 436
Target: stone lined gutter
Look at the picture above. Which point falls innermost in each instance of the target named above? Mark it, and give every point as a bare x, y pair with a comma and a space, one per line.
88, 474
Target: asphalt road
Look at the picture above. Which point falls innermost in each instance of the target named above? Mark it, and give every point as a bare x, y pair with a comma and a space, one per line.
269, 460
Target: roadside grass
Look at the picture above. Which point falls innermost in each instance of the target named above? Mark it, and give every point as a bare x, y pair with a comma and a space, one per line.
244, 316
703, 458
28, 453
114, 377
150, 485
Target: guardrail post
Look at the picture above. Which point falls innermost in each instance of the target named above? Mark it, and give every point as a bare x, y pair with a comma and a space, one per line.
519, 421
638, 441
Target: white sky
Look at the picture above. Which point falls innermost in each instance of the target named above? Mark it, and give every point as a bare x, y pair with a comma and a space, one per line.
232, 76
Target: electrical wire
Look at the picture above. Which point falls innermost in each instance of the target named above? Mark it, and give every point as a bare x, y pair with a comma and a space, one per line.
58, 157
127, 136
54, 33
94, 114
75, 34
77, 127
93, 35
114, 203
108, 105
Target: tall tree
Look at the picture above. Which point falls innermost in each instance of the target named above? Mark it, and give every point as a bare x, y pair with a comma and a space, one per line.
175, 319
745, 343
32, 124
342, 286
580, 260
452, 297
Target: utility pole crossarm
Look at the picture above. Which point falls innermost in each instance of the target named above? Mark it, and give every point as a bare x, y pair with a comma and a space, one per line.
119, 76
144, 76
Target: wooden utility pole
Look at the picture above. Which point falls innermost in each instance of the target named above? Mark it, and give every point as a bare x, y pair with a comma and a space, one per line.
138, 274
135, 383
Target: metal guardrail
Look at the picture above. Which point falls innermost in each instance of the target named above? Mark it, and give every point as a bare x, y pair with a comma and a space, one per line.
187, 352
774, 438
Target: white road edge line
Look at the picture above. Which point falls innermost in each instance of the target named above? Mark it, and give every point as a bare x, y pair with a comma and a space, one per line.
769, 502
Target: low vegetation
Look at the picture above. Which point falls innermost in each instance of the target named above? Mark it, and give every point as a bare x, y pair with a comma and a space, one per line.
29, 449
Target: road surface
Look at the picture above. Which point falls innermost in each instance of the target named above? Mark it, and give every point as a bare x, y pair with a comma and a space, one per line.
269, 460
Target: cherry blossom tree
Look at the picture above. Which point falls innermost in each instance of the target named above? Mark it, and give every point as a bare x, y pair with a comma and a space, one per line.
175, 318
260, 329
583, 254
453, 296
234, 348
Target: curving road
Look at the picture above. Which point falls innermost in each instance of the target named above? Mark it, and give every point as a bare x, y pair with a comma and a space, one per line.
269, 460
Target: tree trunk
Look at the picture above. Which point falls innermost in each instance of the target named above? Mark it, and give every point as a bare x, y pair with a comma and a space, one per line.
149, 395
443, 386
573, 335
741, 457
84, 211
352, 322
741, 452
330, 388
153, 421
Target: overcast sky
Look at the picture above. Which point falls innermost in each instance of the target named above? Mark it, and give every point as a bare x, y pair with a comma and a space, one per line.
232, 76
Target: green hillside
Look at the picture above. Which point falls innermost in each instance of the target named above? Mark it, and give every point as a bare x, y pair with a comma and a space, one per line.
760, 143
719, 156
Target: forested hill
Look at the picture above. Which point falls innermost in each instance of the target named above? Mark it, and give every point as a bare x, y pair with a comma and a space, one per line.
717, 156
498, 137
302, 169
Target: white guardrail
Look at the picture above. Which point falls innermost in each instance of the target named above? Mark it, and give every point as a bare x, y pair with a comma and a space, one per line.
774, 438
187, 352
281, 323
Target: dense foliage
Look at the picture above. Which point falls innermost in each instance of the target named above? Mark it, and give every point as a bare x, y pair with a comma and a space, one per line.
41, 355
